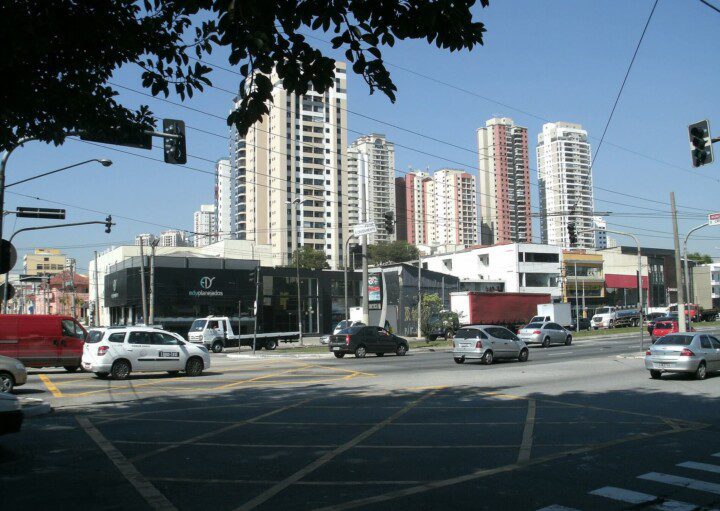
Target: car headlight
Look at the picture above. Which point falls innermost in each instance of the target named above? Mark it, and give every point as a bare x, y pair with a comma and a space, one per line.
18, 365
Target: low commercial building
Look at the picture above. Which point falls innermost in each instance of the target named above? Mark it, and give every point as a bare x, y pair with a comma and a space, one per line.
706, 286
621, 282
583, 281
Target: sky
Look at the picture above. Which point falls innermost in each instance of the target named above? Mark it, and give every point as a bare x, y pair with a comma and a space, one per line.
556, 60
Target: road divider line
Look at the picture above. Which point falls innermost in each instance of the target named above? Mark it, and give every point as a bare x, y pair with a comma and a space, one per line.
51, 386
527, 439
327, 457
145, 488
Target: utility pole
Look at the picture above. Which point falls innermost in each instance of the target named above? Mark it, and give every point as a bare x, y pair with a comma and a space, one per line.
97, 294
256, 309
678, 268
142, 283
151, 313
365, 298
419, 310
577, 305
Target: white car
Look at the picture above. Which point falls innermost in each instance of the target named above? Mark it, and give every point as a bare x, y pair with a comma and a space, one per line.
119, 351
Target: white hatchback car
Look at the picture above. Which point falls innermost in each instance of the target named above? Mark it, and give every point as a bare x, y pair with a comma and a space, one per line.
119, 351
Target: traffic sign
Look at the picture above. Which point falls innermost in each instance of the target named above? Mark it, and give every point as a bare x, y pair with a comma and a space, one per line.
8, 256
364, 229
714, 219
50, 213
10, 291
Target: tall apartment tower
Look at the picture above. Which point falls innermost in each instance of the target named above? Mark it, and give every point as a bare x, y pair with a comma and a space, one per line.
453, 217
371, 158
238, 171
504, 179
225, 200
298, 151
565, 182
205, 226
173, 238
415, 206
401, 215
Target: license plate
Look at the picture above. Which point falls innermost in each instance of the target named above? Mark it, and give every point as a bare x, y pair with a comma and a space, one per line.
464, 345
168, 354
336, 348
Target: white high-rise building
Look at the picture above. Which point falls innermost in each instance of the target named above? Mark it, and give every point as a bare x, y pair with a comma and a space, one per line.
205, 226
565, 182
601, 239
371, 163
225, 200
238, 161
455, 211
146, 238
296, 152
173, 238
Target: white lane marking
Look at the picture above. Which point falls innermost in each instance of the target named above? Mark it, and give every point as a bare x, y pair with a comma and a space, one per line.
527, 438
707, 467
555, 507
635, 497
717, 454
685, 482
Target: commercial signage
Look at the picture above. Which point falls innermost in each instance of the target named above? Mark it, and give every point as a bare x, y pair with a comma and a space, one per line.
364, 229
714, 219
374, 287
206, 284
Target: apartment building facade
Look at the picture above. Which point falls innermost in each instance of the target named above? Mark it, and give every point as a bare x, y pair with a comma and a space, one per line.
225, 200
504, 182
205, 230
44, 261
455, 210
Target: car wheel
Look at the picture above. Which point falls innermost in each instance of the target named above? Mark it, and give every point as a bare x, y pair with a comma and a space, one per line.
459, 360
546, 342
655, 374
360, 351
271, 344
173, 373
102, 376
120, 370
487, 358
339, 355
194, 367
71, 369
448, 335
701, 372
432, 338
401, 350
524, 354
568, 340
217, 347
7, 382
379, 354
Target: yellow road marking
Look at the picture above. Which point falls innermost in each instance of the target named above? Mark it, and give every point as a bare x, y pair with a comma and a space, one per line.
51, 386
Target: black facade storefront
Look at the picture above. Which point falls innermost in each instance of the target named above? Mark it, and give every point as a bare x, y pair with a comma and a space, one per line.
187, 288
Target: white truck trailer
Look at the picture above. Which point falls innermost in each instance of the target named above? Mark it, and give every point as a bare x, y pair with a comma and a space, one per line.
216, 333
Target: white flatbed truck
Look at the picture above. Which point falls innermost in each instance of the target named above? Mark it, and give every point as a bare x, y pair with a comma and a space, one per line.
216, 333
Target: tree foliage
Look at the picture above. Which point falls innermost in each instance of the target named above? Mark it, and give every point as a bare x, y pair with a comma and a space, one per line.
60, 56
393, 252
700, 258
310, 259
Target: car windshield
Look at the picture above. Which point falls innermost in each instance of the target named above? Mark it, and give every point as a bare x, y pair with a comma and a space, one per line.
602, 310
534, 325
198, 325
94, 336
675, 340
352, 330
467, 333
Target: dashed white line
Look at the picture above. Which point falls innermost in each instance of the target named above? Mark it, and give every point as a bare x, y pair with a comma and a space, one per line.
635, 497
685, 482
555, 507
707, 467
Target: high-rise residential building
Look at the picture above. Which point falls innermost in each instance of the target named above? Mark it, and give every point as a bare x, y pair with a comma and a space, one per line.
401, 216
372, 159
172, 238
225, 200
454, 216
504, 181
565, 183
205, 230
147, 239
600, 226
44, 261
238, 162
415, 206
296, 152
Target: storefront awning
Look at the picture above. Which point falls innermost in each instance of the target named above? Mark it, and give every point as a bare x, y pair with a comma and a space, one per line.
623, 281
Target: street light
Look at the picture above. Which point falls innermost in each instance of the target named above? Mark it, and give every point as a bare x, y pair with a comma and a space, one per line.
687, 273
102, 161
297, 203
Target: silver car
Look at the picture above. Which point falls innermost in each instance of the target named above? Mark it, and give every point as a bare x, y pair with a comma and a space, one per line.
12, 374
486, 343
545, 334
695, 353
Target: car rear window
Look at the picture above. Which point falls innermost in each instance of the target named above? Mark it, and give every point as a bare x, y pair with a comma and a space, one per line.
352, 330
675, 340
534, 325
94, 336
662, 326
467, 333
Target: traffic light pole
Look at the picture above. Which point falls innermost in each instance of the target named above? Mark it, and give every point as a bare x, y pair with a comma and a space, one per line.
687, 271
345, 272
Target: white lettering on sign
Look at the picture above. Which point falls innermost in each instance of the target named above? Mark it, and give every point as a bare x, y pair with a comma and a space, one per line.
364, 229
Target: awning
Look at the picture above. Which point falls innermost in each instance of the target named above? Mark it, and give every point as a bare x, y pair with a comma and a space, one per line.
623, 281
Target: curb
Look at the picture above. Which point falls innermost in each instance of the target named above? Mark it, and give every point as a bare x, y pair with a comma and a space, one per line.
33, 407
412, 351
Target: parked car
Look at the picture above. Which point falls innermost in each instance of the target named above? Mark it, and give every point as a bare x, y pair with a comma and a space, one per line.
684, 353
361, 340
545, 334
39, 340
119, 351
585, 324
651, 317
486, 343
12, 374
11, 416
666, 327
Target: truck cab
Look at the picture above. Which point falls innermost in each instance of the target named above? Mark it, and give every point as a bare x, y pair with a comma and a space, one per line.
214, 332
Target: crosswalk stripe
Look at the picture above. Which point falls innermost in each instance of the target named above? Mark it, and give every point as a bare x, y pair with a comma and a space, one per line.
555, 507
635, 497
717, 454
707, 467
685, 482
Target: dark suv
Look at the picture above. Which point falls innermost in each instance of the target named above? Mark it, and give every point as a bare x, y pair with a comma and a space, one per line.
362, 340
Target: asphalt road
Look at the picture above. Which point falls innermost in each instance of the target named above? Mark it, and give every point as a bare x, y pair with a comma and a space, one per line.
578, 427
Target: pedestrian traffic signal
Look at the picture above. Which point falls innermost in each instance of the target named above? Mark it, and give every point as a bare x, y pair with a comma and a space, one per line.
389, 218
572, 233
108, 223
701, 152
175, 151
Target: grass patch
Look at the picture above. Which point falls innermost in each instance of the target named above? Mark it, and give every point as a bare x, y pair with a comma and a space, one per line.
440, 343
611, 331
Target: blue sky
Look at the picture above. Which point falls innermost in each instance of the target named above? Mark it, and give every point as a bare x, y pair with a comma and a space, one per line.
542, 61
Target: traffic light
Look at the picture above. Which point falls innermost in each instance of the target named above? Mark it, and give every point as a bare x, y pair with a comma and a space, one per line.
175, 151
108, 223
389, 218
572, 233
701, 151
125, 134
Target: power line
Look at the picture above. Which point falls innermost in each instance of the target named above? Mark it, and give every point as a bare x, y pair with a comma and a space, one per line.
710, 5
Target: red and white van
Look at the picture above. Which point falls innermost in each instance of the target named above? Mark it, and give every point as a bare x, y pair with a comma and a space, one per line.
42, 340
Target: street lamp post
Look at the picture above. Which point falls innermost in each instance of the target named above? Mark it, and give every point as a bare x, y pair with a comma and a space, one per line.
345, 271
687, 272
296, 203
103, 161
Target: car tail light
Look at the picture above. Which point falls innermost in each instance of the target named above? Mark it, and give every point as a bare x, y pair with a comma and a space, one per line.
347, 340
647, 353
537, 332
478, 345
102, 350
687, 353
